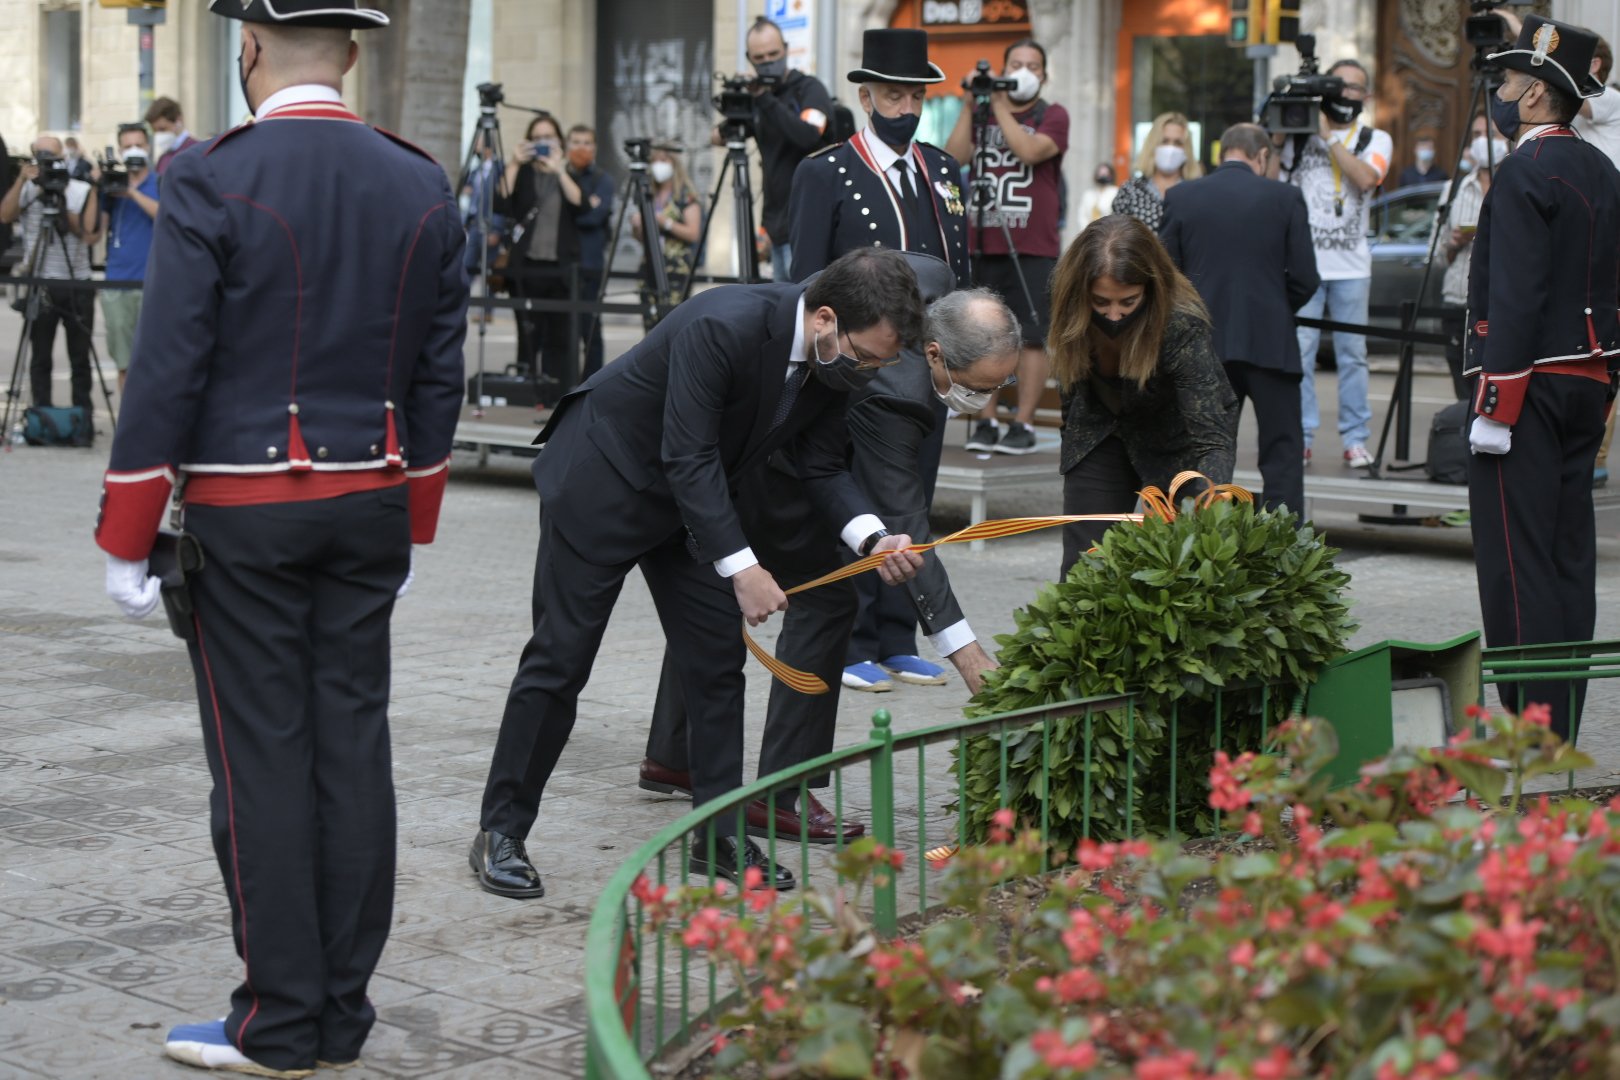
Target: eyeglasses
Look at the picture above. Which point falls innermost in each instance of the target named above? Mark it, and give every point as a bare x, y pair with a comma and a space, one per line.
861, 364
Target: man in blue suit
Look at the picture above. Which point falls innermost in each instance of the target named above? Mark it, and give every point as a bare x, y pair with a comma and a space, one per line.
1245, 244
640, 469
302, 388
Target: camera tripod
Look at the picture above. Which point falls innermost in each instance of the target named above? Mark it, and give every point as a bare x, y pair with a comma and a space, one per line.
638, 194
735, 134
493, 186
985, 197
1483, 81
33, 299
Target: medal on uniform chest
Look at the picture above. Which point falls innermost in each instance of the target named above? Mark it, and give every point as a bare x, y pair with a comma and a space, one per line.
951, 194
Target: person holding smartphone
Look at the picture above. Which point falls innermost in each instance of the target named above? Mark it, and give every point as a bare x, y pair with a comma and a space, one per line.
543, 201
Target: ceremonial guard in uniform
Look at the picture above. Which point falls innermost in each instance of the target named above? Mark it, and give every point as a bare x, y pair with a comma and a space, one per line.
300, 383
882, 188
1543, 339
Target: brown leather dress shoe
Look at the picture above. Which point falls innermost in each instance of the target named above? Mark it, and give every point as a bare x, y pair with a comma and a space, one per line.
817, 824
655, 777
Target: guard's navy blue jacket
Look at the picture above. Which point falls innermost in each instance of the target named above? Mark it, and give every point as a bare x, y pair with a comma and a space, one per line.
1544, 281
293, 344
1245, 244
842, 201
659, 437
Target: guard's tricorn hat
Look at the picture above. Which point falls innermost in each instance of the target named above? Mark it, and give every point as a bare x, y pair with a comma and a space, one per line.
336, 14
1556, 53
896, 56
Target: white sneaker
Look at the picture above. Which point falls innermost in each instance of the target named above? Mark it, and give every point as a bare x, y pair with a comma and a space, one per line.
206, 1046
1357, 457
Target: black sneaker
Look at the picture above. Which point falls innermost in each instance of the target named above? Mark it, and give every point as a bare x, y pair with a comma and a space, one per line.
985, 434
1020, 439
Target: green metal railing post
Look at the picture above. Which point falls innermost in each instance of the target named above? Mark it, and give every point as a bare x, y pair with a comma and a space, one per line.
885, 915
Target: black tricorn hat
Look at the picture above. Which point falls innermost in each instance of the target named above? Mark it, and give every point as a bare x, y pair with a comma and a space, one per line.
896, 56
1554, 52
336, 14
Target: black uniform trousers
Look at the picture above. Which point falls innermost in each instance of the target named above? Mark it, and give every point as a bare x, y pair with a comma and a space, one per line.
1275, 395
1102, 482
573, 599
75, 310
886, 619
1535, 535
292, 665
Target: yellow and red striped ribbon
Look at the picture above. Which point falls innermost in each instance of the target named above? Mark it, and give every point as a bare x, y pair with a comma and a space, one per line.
1157, 503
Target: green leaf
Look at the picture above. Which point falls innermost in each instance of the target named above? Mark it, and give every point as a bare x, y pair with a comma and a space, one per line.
1250, 867
1486, 781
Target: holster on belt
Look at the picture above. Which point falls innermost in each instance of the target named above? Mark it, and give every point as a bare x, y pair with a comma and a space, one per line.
175, 557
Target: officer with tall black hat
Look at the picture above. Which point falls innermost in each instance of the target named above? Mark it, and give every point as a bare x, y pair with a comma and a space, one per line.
883, 188
302, 390
1543, 341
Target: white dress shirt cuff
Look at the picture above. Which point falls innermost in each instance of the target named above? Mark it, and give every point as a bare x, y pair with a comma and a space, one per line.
859, 528
735, 563
955, 636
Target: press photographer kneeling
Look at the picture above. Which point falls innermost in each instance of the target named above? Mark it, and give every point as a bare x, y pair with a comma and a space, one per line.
61, 221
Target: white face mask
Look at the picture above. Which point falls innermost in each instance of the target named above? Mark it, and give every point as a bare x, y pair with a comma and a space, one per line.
1169, 159
960, 398
1477, 149
662, 171
1028, 85
163, 142
135, 157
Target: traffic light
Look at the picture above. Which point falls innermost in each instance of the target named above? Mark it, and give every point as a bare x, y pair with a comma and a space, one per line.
1282, 21
1247, 20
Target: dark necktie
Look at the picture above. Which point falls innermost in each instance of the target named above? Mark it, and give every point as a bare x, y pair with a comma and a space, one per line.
908, 194
790, 392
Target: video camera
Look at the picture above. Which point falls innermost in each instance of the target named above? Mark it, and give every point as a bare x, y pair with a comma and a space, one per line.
982, 84
114, 173
637, 152
52, 180
1292, 108
1486, 30
490, 95
735, 101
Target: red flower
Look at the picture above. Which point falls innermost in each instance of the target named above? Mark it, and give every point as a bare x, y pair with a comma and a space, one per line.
1060, 1055
1177, 1066
1242, 954
1539, 714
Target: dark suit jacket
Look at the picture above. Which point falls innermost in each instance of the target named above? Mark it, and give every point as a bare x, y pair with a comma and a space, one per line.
1245, 244
658, 438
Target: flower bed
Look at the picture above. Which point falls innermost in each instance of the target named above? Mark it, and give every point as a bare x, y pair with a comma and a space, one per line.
1392, 929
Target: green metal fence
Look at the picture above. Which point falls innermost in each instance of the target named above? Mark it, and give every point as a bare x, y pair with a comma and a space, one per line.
647, 992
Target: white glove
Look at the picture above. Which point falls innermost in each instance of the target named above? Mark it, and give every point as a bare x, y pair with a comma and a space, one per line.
131, 587
410, 576
1488, 436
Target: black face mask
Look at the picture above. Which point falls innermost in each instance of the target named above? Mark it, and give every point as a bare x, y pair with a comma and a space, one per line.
242, 76
772, 68
896, 131
1341, 110
1115, 327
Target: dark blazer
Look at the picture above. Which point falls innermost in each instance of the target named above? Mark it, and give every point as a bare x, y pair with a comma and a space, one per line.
658, 438
1245, 244
1184, 418
305, 322
1543, 279
841, 202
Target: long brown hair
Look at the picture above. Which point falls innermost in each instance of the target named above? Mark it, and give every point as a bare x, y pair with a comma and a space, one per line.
1120, 247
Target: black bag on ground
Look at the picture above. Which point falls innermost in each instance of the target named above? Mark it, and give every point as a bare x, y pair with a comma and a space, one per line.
50, 426
1448, 444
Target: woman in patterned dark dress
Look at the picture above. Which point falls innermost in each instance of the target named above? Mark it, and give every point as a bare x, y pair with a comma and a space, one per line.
1165, 161
678, 217
1144, 395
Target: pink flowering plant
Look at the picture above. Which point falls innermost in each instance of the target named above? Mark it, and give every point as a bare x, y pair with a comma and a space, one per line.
1415, 924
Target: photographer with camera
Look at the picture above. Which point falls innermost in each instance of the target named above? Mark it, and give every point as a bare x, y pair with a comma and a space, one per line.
791, 114
1338, 169
543, 202
61, 221
129, 184
1022, 164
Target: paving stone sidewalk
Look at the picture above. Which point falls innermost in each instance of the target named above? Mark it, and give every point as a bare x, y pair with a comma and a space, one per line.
113, 924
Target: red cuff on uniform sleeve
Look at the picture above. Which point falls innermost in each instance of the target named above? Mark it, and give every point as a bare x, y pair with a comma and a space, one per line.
426, 487
1500, 395
132, 505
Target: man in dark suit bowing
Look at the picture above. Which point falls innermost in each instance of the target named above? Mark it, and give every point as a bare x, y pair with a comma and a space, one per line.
884, 189
639, 469
971, 348
1245, 243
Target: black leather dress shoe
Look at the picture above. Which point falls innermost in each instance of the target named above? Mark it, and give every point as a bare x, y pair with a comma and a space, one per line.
503, 867
777, 877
